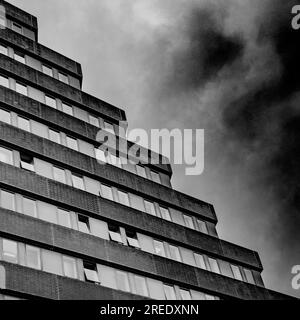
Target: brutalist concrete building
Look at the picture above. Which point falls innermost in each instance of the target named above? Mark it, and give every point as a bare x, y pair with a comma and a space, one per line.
76, 223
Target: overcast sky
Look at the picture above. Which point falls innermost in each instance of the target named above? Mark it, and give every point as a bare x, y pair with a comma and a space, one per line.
214, 65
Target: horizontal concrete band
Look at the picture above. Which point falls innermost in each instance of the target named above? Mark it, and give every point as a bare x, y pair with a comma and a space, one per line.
41, 52
83, 246
35, 110
29, 184
83, 164
61, 90
19, 15
30, 282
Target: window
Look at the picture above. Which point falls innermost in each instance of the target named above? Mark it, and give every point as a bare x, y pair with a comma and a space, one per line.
72, 143
2, 20
33, 257
70, 269
52, 262
136, 202
21, 88
169, 292
141, 171
200, 261
214, 266
51, 102
185, 294
202, 226
10, 251
29, 207
64, 218
114, 161
67, 109
114, 233
106, 192
4, 81
17, 28
78, 182
122, 281
155, 176
59, 175
47, 70
27, 162
236, 272
7, 200
90, 272
3, 50
6, 155
165, 214
83, 224
132, 239
149, 206
188, 221
54, 136
23, 124
94, 121
100, 155
141, 286
19, 57
249, 276
159, 248
109, 127
5, 116
123, 198
174, 252
63, 77
209, 297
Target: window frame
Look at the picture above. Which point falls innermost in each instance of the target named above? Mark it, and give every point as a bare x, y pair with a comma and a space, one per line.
25, 164
53, 103
72, 143
78, 178
50, 73
28, 200
12, 257
57, 169
91, 274
164, 210
115, 235
161, 246
173, 249
56, 134
20, 57
172, 291
124, 196
36, 250
66, 258
8, 153
4, 115
4, 81
21, 121
84, 221
24, 87
17, 27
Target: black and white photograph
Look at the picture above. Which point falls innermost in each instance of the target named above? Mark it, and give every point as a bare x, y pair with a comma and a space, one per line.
149, 154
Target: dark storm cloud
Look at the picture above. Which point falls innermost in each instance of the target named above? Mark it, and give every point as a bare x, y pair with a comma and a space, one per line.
207, 51
260, 118
275, 104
